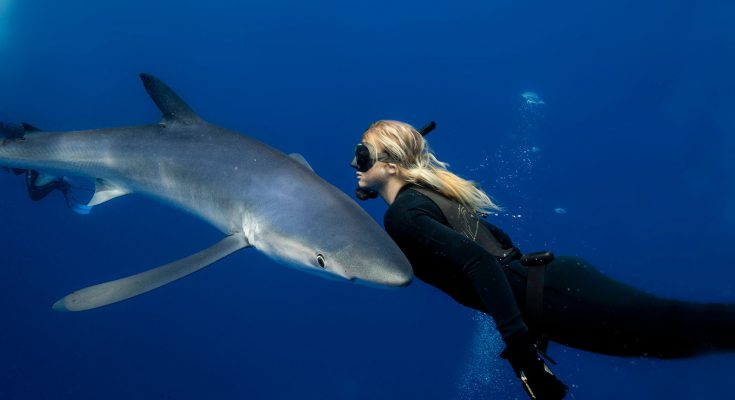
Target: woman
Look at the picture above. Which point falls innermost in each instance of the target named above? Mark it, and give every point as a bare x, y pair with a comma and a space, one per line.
582, 308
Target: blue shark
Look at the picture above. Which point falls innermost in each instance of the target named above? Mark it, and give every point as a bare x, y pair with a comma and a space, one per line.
257, 196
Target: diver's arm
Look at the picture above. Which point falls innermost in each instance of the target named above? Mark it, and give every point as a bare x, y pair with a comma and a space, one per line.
419, 227
417, 231
413, 225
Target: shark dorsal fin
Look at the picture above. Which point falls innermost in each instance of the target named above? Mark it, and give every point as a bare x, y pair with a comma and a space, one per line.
173, 108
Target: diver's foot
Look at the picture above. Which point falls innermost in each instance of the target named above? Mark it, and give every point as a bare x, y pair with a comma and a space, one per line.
537, 379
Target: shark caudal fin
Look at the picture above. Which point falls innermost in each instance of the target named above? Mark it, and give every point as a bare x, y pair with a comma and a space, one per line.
10, 131
38, 183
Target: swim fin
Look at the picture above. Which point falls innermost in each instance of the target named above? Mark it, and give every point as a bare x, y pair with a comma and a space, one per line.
535, 375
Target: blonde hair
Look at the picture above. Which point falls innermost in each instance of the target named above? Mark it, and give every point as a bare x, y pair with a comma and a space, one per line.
418, 165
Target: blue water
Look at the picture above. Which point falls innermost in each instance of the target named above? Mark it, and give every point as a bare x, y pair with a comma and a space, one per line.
633, 143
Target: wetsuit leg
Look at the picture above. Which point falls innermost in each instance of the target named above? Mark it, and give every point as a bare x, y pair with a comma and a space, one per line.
488, 280
585, 309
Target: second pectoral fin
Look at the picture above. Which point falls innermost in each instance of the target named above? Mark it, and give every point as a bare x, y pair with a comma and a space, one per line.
125, 288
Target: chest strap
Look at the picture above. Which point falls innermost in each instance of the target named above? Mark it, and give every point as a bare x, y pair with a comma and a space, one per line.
468, 224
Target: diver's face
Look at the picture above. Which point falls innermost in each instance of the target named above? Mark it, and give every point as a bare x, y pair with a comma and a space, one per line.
373, 178
370, 172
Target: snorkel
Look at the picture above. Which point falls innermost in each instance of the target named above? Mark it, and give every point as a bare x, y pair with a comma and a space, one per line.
360, 153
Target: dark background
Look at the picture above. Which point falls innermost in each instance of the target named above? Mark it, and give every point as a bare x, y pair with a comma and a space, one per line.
634, 143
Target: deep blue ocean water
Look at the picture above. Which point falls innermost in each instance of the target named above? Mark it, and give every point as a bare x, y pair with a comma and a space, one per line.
628, 164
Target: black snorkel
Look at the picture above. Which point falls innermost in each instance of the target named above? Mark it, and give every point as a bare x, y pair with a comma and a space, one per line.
367, 194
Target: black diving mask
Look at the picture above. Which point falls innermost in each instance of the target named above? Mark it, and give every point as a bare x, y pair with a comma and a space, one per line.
363, 161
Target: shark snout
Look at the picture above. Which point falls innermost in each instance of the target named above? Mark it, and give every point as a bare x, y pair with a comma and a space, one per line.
395, 278
397, 273
383, 279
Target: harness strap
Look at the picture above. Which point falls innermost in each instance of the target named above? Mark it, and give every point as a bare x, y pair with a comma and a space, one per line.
534, 303
468, 224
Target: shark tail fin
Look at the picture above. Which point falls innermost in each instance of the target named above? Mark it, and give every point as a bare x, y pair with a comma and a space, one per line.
80, 194
11, 131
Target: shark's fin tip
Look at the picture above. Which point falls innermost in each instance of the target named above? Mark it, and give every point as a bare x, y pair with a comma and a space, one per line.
125, 288
30, 128
60, 305
173, 108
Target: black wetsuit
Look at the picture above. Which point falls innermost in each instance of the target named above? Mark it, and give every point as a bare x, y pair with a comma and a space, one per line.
582, 308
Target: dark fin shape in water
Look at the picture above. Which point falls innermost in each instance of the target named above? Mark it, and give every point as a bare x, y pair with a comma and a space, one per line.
15, 171
39, 186
29, 128
11, 131
173, 108
76, 192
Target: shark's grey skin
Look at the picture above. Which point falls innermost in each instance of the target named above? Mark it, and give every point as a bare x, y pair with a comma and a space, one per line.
253, 193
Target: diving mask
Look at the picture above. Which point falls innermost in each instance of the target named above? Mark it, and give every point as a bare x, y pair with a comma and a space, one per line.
363, 161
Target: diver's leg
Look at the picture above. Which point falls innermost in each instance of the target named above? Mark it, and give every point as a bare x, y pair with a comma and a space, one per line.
585, 309
492, 288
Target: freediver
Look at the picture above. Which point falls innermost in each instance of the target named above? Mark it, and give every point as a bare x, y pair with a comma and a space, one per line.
436, 218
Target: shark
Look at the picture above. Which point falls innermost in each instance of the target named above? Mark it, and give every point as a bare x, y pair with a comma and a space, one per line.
256, 195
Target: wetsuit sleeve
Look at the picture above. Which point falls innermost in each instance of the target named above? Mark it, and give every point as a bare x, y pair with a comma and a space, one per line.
437, 252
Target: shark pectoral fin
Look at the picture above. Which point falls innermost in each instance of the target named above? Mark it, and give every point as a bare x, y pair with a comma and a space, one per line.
104, 191
125, 288
298, 157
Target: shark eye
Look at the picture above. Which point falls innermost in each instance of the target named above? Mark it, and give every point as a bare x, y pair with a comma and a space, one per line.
320, 260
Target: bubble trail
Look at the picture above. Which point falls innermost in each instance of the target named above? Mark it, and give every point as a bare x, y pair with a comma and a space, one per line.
481, 377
